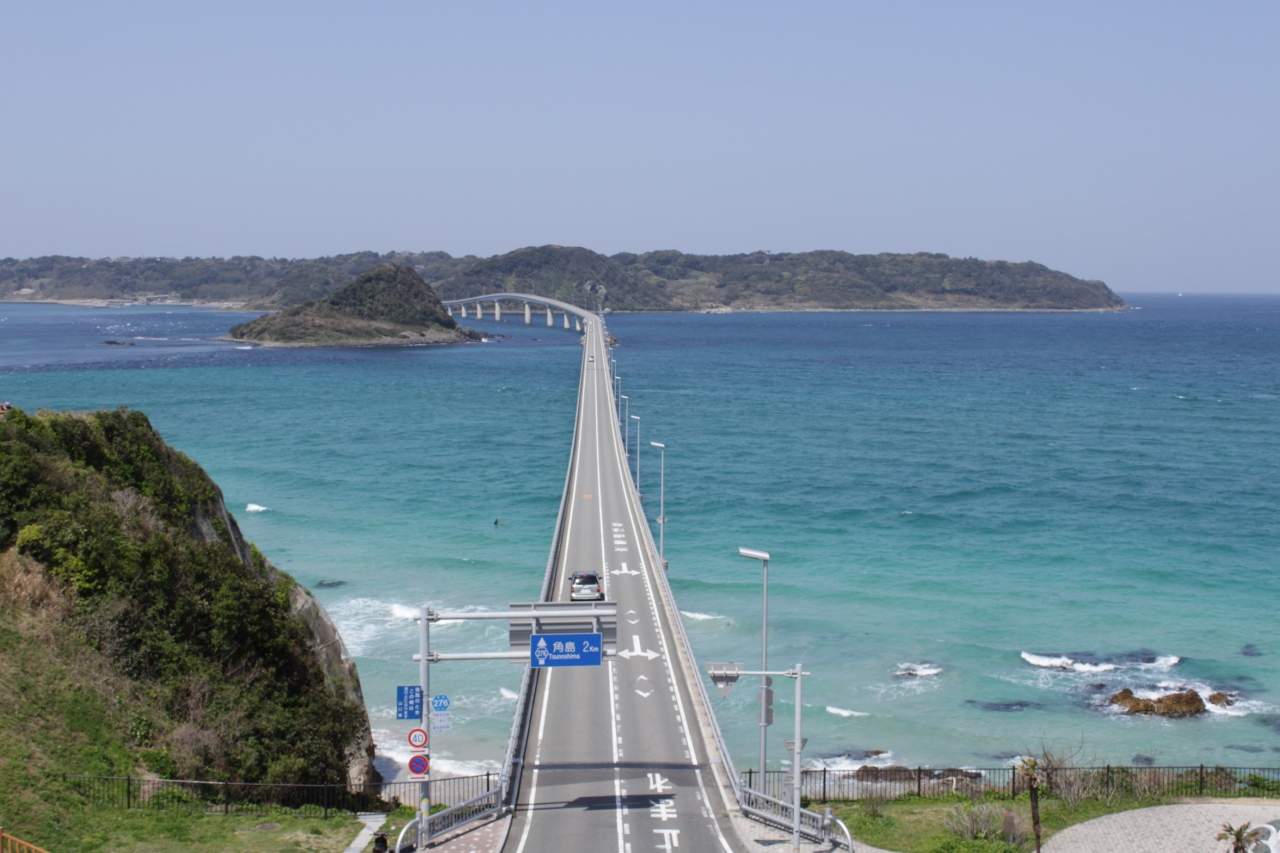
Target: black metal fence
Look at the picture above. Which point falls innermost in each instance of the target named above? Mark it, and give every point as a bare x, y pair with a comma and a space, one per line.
256, 799
1068, 783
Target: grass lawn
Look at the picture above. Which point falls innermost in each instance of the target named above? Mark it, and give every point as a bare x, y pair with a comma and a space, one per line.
179, 830
914, 825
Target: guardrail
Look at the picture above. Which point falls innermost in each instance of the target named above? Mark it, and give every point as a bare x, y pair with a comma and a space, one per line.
1103, 781
9, 844
259, 799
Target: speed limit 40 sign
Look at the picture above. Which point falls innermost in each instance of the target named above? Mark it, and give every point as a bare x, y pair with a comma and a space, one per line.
418, 738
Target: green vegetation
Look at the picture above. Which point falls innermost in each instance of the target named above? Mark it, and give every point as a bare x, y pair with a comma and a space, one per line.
653, 281
179, 831
387, 304
140, 632
920, 825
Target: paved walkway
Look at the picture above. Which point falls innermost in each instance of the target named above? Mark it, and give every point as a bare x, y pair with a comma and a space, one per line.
371, 823
1187, 828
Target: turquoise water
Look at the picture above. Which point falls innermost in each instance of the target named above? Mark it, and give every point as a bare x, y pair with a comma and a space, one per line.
941, 493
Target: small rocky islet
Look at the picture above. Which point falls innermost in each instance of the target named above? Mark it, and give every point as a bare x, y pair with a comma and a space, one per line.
388, 305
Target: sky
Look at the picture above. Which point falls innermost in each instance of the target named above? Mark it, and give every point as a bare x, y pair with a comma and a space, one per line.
1136, 143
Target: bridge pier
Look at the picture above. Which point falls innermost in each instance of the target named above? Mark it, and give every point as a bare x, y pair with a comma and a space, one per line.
497, 311
449, 308
577, 324
566, 319
527, 318
479, 310
548, 315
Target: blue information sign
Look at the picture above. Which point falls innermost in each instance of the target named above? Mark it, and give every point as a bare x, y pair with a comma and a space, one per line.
548, 650
409, 703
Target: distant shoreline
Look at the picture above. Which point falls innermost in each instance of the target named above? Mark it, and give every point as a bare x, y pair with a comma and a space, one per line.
242, 306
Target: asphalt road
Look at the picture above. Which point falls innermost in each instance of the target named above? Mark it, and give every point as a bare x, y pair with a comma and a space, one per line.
614, 757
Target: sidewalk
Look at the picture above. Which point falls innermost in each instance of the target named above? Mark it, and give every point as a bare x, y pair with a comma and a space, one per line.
1187, 828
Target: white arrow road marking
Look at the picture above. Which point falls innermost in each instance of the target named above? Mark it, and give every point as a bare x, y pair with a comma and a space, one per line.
636, 651
659, 783
631, 616
625, 571
643, 687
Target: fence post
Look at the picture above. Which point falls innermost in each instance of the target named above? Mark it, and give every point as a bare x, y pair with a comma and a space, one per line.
1108, 780
226, 798
1013, 781
919, 785
824, 785
488, 786
128, 792
1202, 780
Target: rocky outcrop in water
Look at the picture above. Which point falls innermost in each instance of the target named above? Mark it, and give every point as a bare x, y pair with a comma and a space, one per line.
1179, 704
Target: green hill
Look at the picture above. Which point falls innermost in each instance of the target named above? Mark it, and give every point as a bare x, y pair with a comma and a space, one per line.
139, 632
652, 281
388, 304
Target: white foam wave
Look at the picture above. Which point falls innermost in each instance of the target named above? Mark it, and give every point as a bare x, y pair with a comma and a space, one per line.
508, 694
403, 611
1067, 664
918, 670
256, 508
845, 712
699, 617
852, 762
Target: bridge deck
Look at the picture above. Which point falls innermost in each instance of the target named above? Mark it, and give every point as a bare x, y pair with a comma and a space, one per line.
615, 755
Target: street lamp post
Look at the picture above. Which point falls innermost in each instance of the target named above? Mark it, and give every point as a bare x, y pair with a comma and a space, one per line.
636, 418
662, 506
763, 557
626, 427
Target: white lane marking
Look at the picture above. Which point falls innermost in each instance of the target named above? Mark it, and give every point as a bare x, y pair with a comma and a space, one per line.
625, 571
636, 651
537, 756
622, 829
702, 795
644, 687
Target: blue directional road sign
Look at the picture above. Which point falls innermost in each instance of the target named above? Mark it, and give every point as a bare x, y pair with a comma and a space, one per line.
409, 703
548, 650
440, 703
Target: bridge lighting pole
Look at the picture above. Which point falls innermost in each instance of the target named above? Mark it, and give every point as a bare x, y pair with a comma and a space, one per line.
636, 418
765, 681
626, 427
662, 507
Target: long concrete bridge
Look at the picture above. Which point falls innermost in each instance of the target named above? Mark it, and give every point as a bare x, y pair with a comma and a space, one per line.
627, 755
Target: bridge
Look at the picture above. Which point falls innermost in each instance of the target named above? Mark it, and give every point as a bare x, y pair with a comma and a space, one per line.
551, 306
626, 755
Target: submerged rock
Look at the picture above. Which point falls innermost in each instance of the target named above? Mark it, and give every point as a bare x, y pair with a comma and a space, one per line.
1221, 699
1182, 704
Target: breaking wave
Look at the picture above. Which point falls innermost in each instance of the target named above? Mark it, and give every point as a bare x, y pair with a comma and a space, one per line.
256, 508
917, 670
1067, 663
845, 712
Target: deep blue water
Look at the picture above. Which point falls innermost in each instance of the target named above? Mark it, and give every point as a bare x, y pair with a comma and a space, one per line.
947, 491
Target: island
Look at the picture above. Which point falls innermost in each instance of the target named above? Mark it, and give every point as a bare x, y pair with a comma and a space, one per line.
389, 304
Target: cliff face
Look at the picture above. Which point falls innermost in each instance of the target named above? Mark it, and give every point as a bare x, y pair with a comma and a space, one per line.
247, 676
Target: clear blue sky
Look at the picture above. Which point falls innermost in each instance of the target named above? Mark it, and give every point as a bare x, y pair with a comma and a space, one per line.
1138, 143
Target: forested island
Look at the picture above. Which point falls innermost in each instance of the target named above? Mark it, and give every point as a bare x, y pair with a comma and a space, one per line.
140, 634
388, 304
652, 281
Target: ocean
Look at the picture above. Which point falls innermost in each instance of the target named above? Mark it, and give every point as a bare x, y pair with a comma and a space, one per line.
981, 525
